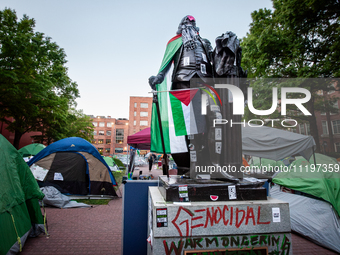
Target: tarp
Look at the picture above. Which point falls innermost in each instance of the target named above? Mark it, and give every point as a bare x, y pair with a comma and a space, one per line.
31, 149
275, 144
313, 218
141, 140
53, 197
263, 142
321, 180
75, 167
19, 205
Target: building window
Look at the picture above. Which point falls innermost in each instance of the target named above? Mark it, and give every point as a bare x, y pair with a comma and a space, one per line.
135, 105
135, 114
95, 124
101, 132
324, 127
119, 150
94, 141
100, 150
101, 124
108, 141
94, 132
302, 129
134, 123
119, 135
336, 106
307, 129
143, 123
336, 126
337, 147
107, 150
144, 105
100, 141
109, 124
144, 114
331, 89
108, 132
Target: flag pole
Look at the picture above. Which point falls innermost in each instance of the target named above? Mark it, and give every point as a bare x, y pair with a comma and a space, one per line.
165, 156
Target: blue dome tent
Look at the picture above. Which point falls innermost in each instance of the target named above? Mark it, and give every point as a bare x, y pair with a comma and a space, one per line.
75, 167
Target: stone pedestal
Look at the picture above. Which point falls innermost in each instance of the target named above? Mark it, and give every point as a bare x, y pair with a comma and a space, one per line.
177, 189
224, 227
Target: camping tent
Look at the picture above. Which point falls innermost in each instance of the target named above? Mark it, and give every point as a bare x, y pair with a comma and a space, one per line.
19, 206
321, 180
31, 149
275, 144
119, 163
75, 167
111, 163
140, 140
313, 218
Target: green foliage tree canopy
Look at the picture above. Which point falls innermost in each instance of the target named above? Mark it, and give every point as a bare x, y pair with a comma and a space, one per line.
297, 39
35, 89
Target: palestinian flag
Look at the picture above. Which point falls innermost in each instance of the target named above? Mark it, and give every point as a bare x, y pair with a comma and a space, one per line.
186, 111
173, 143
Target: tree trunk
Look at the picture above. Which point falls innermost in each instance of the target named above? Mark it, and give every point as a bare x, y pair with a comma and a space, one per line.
17, 137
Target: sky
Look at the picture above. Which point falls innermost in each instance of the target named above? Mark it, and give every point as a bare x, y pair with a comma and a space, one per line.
113, 47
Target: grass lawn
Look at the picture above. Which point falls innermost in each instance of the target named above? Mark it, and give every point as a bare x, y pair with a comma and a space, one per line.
118, 177
93, 201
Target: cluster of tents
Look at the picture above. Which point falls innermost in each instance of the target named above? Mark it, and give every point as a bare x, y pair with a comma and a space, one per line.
74, 166
71, 165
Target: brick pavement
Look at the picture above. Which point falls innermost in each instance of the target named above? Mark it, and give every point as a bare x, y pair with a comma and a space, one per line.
98, 230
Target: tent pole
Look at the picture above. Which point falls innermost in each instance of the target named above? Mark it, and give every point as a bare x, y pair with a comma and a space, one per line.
314, 156
155, 100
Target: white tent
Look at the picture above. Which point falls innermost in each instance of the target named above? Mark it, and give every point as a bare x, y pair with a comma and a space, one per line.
316, 219
275, 144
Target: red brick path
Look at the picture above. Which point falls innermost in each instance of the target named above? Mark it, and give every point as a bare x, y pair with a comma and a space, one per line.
95, 230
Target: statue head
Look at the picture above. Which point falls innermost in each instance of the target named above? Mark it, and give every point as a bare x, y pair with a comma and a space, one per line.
187, 21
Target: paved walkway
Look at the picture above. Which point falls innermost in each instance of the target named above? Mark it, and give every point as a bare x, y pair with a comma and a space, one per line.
98, 230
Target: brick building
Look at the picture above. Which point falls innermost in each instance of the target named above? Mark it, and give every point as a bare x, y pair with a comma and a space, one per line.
328, 125
139, 114
26, 138
110, 135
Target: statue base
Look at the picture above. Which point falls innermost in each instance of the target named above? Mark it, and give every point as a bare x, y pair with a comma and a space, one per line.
218, 227
178, 189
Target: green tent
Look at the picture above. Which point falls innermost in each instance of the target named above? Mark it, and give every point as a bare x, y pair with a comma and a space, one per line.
119, 163
110, 162
31, 149
321, 180
20, 213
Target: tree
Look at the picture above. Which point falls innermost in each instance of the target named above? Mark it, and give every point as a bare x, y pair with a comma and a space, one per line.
34, 85
75, 124
80, 125
300, 40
